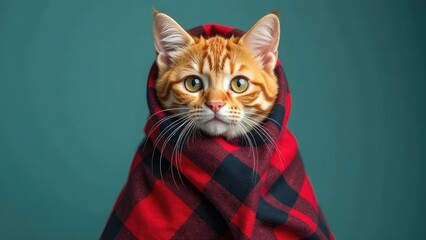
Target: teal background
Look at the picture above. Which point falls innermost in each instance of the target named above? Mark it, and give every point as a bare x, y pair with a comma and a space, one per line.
73, 108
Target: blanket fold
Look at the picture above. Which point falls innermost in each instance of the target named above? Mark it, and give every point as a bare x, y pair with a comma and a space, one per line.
214, 188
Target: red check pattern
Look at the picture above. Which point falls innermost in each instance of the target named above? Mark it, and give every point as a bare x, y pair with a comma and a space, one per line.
218, 191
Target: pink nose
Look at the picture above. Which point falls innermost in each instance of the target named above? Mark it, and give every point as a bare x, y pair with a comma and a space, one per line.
215, 106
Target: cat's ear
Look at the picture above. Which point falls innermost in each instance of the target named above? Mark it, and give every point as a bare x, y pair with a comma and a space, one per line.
169, 38
263, 39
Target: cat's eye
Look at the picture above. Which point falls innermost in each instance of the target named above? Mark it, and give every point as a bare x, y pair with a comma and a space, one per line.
239, 84
193, 84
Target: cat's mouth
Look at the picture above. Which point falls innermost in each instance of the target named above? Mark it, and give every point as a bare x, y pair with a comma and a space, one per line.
215, 119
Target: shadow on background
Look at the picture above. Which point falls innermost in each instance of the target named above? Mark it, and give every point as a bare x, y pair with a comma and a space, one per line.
73, 108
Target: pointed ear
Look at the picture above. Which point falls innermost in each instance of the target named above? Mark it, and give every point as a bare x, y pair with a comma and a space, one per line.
169, 38
263, 39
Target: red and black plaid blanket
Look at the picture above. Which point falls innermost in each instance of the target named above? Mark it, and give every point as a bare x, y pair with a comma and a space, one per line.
219, 191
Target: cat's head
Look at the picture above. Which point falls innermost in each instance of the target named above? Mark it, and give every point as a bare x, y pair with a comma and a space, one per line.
221, 86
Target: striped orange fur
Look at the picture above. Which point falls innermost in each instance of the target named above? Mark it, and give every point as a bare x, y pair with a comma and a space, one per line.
223, 86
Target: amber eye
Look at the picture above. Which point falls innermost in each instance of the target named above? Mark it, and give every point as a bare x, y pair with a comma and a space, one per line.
239, 84
193, 84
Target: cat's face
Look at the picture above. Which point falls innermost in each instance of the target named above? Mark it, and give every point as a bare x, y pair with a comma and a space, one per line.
224, 87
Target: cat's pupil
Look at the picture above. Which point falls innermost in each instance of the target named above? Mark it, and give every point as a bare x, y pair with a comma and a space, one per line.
240, 82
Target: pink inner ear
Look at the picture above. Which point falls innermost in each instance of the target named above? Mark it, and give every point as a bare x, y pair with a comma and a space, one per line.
164, 59
269, 61
268, 58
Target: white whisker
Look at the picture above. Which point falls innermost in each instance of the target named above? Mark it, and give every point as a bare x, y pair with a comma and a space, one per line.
255, 157
266, 117
266, 133
177, 149
158, 124
162, 134
181, 124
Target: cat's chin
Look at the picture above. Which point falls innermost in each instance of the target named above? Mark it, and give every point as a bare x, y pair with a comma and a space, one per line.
218, 128
214, 127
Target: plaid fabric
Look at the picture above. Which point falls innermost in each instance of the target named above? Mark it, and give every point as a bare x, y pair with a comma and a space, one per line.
219, 192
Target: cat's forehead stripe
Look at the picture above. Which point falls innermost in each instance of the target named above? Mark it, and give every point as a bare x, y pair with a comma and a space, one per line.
210, 61
201, 65
231, 66
242, 67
